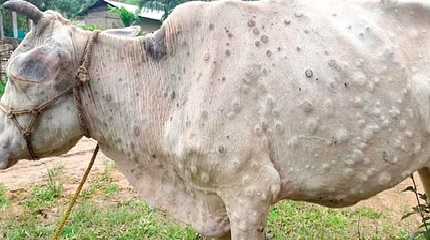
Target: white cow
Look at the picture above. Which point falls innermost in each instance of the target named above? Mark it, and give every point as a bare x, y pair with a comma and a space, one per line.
232, 106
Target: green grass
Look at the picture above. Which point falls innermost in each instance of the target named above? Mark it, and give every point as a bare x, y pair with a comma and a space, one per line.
296, 220
103, 213
104, 184
45, 196
112, 190
4, 201
125, 221
129, 220
135, 220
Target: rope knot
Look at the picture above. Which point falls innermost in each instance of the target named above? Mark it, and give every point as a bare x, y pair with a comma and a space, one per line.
35, 112
27, 134
10, 115
83, 74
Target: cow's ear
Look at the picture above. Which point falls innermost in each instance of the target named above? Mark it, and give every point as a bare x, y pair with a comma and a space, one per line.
37, 65
132, 31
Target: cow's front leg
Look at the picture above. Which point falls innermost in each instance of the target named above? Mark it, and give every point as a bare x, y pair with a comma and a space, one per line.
247, 218
248, 203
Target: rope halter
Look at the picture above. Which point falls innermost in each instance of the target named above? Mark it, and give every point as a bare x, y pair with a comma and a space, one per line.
81, 78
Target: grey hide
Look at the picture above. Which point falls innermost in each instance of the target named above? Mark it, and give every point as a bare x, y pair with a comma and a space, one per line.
232, 106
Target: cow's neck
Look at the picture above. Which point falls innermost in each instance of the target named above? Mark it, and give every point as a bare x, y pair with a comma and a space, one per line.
127, 101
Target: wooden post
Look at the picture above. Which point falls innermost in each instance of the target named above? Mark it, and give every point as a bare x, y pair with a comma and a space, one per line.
1, 27
15, 25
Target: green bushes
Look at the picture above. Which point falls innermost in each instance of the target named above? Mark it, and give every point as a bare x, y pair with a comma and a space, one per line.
127, 17
90, 27
2, 87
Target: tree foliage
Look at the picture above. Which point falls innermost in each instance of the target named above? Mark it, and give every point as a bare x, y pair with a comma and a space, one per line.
69, 8
126, 17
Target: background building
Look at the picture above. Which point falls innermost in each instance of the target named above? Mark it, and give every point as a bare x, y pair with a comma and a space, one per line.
98, 14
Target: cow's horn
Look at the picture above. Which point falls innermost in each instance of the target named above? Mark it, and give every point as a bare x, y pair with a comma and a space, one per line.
25, 8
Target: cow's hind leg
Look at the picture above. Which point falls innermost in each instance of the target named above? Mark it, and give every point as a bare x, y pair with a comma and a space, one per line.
425, 179
248, 203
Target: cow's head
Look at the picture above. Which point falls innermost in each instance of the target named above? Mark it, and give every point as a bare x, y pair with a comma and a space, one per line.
43, 66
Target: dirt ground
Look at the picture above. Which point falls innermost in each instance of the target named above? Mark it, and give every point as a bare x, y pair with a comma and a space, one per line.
392, 202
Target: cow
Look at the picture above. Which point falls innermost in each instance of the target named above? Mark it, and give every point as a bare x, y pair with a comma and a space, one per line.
233, 106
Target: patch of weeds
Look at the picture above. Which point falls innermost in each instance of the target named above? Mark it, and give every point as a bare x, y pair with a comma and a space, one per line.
298, 220
45, 196
88, 192
368, 213
404, 235
111, 190
102, 184
422, 209
4, 201
25, 227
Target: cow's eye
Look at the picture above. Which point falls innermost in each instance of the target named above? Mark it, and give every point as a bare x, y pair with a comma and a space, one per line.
26, 46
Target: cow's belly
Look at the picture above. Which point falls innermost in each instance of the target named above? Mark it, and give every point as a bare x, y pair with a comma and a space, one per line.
351, 155
345, 176
162, 187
